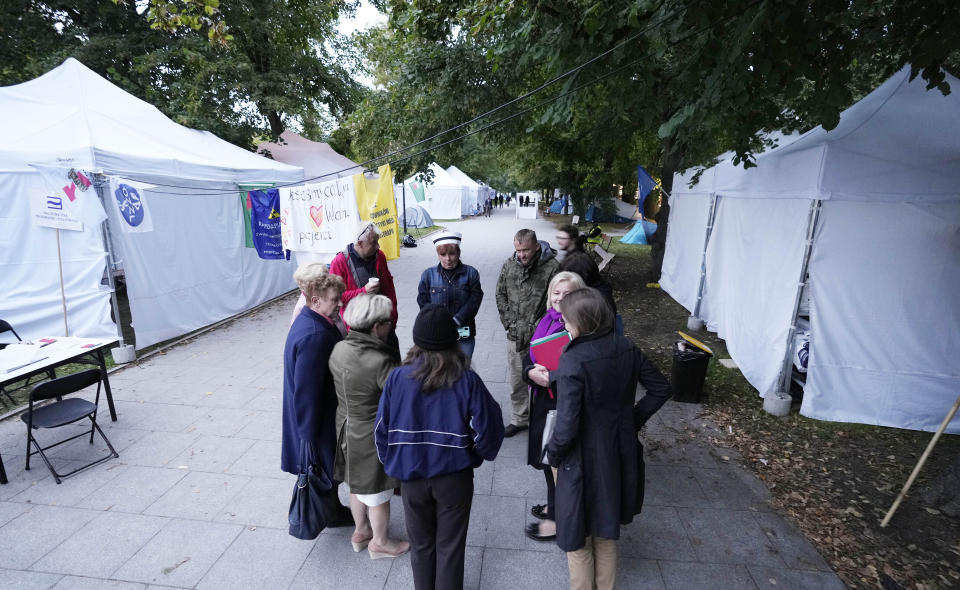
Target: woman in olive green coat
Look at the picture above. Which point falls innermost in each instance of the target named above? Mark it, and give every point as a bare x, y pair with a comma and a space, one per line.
360, 364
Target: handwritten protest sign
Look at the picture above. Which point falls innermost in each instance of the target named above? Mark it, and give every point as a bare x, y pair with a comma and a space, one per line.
319, 217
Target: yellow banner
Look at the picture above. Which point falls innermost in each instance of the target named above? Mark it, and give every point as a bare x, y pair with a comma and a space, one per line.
376, 203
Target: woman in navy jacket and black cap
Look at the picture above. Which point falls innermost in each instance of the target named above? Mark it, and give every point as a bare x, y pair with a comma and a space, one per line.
436, 423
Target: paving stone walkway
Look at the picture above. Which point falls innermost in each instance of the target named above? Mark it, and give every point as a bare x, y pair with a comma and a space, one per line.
197, 500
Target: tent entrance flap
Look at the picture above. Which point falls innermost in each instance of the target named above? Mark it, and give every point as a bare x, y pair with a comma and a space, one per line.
786, 370
99, 180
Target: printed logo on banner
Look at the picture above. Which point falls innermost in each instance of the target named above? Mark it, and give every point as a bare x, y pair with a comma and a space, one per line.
130, 200
59, 205
265, 223
130, 204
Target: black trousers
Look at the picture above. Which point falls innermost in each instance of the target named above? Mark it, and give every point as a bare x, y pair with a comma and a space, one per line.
437, 513
551, 491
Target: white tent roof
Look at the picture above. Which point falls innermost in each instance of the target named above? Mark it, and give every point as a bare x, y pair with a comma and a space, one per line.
440, 177
73, 114
901, 140
461, 177
316, 158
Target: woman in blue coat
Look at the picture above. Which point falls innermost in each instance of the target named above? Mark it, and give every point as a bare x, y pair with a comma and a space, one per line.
454, 286
309, 396
436, 423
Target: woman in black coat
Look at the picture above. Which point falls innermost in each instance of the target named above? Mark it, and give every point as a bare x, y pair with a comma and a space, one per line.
594, 446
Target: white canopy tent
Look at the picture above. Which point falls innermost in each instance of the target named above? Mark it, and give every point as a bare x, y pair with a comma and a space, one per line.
867, 214
474, 191
444, 195
190, 271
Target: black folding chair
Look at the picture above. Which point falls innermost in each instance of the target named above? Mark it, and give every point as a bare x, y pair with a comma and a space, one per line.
6, 327
63, 412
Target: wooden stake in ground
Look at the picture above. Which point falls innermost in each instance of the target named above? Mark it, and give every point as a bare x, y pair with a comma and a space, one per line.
63, 295
923, 459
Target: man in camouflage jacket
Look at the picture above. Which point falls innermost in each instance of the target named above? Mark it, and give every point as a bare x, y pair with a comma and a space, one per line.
522, 301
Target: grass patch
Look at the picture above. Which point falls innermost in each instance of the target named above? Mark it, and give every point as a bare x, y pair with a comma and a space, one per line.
419, 232
640, 253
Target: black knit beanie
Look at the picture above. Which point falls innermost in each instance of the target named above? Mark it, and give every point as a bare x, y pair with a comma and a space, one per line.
434, 329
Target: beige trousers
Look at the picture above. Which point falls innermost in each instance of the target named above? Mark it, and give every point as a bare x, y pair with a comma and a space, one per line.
519, 395
594, 567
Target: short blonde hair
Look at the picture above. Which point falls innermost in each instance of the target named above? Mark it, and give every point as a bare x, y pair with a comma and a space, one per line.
364, 311
314, 279
564, 277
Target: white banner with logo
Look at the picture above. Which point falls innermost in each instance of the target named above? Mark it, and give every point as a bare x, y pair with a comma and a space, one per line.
131, 204
68, 199
320, 217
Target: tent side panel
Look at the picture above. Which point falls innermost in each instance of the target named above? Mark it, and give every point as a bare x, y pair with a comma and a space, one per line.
680, 274
443, 202
753, 264
30, 273
193, 269
885, 315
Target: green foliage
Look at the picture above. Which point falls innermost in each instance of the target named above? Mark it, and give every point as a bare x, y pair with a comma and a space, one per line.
242, 69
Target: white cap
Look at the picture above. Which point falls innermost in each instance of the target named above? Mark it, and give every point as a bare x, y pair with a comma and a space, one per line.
447, 237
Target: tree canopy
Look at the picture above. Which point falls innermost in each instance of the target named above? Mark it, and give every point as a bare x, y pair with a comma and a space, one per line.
676, 82
242, 69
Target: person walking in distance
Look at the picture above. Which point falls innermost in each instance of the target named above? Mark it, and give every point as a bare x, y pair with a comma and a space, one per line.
522, 301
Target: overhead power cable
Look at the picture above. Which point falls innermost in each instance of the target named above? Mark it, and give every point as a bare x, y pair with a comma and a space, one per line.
211, 192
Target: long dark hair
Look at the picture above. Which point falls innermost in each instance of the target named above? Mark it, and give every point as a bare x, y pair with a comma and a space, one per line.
436, 369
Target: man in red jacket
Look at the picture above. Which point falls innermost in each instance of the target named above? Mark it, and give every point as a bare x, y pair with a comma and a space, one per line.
363, 267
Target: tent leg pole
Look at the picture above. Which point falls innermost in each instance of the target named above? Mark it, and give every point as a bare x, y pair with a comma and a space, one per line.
63, 295
920, 463
403, 191
786, 370
711, 216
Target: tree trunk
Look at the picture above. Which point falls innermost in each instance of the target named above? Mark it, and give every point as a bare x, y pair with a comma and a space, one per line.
276, 124
672, 156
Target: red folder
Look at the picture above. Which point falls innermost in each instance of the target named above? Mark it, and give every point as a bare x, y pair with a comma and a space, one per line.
546, 351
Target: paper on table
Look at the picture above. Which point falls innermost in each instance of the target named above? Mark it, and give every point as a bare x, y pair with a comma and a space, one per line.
16, 356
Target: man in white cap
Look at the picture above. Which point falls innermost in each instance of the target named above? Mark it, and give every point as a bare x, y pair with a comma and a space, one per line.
454, 286
363, 267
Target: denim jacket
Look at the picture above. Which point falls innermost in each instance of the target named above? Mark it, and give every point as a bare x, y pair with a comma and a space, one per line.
461, 295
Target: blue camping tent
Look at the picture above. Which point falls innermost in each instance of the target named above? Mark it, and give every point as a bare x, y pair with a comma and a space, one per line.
557, 206
639, 233
595, 215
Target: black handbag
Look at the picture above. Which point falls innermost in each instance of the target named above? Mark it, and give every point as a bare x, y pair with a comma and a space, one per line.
310, 502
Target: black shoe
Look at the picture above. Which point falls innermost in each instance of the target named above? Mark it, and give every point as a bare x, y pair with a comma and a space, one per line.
533, 531
512, 429
541, 512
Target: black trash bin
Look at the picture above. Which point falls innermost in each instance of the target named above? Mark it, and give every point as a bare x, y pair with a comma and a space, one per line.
689, 371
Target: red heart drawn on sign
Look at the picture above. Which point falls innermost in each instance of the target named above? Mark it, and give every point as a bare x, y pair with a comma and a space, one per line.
316, 214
